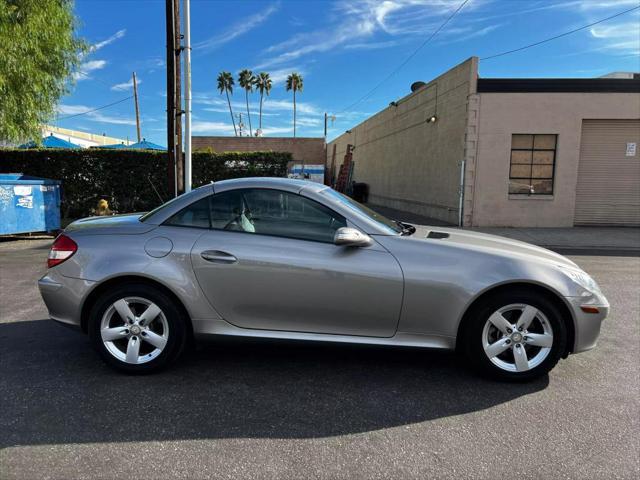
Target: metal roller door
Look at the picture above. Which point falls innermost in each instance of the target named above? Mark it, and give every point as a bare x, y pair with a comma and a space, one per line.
608, 189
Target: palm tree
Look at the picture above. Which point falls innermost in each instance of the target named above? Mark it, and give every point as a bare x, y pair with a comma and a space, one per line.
263, 84
225, 84
294, 82
247, 81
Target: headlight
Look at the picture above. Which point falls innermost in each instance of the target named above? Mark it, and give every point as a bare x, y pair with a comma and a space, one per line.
582, 278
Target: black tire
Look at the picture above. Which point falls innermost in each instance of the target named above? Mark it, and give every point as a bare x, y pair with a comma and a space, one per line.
472, 334
177, 328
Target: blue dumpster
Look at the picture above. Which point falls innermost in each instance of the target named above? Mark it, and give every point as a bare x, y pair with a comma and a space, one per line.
28, 204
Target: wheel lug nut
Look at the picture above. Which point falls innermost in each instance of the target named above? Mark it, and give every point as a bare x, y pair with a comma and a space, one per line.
517, 345
508, 342
509, 330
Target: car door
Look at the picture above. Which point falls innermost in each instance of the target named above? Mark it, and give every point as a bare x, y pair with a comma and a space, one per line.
269, 262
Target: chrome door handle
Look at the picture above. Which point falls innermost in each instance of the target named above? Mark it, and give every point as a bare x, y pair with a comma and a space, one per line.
217, 256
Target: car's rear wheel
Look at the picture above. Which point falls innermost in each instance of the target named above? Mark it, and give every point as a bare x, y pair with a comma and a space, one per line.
516, 335
137, 328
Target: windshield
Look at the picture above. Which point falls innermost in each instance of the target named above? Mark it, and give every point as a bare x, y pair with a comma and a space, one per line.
392, 225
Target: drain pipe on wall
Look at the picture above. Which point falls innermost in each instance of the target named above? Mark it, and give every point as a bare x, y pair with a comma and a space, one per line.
461, 194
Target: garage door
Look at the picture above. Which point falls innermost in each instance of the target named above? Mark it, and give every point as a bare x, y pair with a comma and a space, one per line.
608, 190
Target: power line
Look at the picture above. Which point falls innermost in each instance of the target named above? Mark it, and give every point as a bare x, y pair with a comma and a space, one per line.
97, 79
96, 109
370, 92
558, 36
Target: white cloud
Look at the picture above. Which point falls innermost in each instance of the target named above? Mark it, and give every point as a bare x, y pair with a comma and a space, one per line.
621, 38
86, 68
93, 116
237, 29
128, 85
469, 32
101, 118
226, 128
308, 121
270, 106
301, 107
355, 21
111, 39
280, 75
239, 109
372, 45
72, 109
277, 130
603, 4
618, 36
212, 128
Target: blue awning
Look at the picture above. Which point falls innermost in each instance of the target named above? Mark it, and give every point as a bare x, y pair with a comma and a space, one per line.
51, 142
144, 145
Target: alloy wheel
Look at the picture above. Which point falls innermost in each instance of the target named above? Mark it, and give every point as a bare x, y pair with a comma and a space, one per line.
134, 330
517, 337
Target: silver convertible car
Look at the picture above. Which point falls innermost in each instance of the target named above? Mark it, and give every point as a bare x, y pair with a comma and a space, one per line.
292, 259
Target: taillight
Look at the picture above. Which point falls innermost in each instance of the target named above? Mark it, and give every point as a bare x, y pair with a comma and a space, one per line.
62, 249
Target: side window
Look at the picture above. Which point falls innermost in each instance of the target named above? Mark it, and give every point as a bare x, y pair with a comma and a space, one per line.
195, 215
228, 211
284, 214
262, 211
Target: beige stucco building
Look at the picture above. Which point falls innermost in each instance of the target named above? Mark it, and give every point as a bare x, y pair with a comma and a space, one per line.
504, 152
84, 139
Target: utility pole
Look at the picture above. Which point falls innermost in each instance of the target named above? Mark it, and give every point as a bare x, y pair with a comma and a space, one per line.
135, 98
187, 96
328, 117
171, 98
240, 124
178, 86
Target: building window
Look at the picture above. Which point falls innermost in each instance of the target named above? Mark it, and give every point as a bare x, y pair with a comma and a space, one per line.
532, 166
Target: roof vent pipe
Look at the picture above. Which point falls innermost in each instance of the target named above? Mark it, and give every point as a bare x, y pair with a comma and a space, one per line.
415, 86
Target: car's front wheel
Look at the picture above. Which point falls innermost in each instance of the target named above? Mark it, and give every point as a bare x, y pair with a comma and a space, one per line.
518, 335
137, 328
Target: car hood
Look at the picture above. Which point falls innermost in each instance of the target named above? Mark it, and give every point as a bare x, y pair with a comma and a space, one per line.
488, 243
110, 225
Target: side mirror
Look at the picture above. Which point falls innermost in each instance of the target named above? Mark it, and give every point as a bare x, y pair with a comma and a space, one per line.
351, 237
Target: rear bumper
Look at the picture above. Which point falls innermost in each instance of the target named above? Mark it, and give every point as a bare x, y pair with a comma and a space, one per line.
63, 296
587, 325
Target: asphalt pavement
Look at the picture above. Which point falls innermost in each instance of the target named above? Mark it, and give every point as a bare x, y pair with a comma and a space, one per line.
264, 409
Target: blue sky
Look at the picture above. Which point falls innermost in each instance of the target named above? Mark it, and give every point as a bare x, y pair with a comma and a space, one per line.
342, 48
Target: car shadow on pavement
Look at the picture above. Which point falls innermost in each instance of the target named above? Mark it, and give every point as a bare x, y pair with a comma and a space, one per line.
54, 389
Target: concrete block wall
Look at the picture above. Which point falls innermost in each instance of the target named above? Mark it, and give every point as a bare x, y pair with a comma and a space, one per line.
409, 163
470, 153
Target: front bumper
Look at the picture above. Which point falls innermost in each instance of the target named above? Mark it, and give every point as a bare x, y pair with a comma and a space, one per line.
64, 296
587, 325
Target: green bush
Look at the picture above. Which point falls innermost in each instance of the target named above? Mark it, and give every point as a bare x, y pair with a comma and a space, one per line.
131, 180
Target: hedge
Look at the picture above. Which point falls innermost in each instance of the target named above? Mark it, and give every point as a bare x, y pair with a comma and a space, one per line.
131, 180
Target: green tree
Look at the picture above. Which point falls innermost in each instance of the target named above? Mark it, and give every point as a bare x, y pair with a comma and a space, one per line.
263, 84
40, 51
294, 82
247, 81
225, 85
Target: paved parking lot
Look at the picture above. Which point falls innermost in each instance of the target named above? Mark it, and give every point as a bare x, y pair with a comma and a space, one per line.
270, 409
